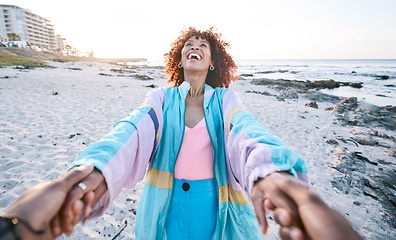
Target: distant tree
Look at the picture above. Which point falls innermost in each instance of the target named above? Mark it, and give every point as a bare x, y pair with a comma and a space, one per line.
14, 37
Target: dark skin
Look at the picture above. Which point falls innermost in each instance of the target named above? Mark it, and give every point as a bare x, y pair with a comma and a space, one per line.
319, 221
41, 203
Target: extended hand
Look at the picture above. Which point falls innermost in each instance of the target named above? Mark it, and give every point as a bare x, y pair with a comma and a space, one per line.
40, 203
265, 194
319, 220
79, 202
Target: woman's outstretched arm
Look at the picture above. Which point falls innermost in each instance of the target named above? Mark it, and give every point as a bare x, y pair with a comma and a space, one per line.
120, 158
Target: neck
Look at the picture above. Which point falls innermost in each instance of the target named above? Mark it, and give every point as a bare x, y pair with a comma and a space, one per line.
197, 84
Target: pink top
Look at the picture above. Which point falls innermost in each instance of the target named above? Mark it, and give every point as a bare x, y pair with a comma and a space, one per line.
195, 160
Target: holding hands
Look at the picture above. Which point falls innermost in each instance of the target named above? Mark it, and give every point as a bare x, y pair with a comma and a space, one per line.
42, 202
79, 202
298, 210
55, 207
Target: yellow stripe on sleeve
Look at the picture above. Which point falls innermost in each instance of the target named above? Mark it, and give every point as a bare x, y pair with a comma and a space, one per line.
231, 114
226, 193
159, 178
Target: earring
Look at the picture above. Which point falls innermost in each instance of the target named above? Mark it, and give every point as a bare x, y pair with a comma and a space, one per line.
180, 65
211, 68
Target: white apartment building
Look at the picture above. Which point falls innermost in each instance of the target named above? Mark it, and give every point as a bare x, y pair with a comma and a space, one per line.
32, 28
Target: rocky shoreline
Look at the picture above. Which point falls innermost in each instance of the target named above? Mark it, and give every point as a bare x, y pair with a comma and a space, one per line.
374, 178
51, 114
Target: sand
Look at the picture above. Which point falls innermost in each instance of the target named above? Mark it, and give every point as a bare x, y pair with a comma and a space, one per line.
50, 115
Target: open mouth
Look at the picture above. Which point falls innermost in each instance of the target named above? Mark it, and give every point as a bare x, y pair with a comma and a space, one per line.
194, 56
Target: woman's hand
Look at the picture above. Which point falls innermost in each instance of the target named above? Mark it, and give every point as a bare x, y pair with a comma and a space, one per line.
319, 220
79, 202
40, 203
265, 194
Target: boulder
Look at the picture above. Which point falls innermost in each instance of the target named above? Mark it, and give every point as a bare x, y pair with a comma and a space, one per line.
312, 104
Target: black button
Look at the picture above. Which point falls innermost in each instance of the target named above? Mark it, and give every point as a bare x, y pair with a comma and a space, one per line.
186, 186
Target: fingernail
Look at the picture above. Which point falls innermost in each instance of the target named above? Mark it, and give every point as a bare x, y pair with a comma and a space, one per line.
55, 231
263, 228
295, 234
87, 211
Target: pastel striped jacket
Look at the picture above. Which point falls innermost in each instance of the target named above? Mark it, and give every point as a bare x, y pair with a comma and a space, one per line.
146, 144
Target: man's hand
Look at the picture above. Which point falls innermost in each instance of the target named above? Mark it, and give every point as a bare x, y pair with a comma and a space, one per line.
318, 219
40, 203
265, 194
79, 202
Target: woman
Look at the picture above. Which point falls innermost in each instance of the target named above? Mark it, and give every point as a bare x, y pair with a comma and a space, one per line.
203, 149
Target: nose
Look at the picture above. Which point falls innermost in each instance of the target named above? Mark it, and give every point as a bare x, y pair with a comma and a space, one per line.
194, 48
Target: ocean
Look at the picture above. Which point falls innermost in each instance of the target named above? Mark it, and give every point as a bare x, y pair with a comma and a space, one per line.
378, 76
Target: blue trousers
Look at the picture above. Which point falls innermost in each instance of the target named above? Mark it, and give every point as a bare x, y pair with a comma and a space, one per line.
193, 211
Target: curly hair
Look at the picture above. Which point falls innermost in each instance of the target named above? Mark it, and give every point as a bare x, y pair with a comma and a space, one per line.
225, 67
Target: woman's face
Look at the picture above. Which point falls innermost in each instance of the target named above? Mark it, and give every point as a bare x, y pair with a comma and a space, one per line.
196, 54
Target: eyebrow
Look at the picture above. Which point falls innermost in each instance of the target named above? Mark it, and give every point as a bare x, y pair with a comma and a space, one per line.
202, 41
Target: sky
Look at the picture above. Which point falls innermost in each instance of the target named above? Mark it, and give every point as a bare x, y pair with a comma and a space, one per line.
255, 29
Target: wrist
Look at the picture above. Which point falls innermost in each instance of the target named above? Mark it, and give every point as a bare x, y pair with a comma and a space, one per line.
10, 228
20, 228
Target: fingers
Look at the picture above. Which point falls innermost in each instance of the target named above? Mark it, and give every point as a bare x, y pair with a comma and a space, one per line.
99, 192
291, 233
69, 179
260, 213
282, 217
77, 208
92, 181
88, 198
269, 205
294, 188
55, 227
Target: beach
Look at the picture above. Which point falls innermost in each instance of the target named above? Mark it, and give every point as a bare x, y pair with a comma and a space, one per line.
50, 115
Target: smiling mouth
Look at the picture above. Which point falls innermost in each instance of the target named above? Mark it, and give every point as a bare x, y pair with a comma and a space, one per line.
194, 56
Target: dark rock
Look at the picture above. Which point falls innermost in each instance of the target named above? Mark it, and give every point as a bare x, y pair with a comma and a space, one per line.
265, 72
54, 93
323, 84
75, 69
143, 77
73, 135
389, 108
280, 83
345, 104
151, 86
289, 94
117, 70
389, 85
246, 75
378, 134
353, 72
312, 104
370, 195
354, 85
382, 77
104, 74
359, 156
364, 140
381, 95
23, 67
262, 93
331, 141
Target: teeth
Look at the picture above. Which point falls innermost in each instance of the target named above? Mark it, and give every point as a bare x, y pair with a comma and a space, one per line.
194, 55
